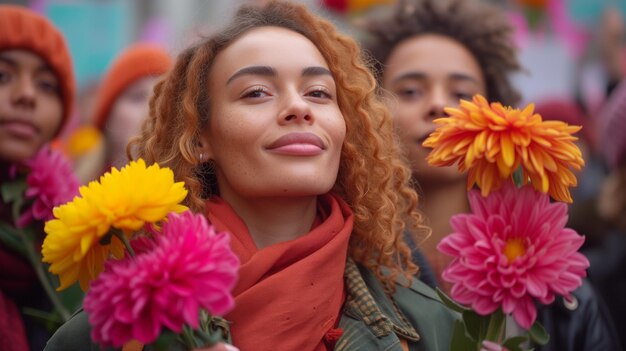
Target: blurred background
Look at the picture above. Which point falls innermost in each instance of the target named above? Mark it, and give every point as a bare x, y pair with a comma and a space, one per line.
562, 42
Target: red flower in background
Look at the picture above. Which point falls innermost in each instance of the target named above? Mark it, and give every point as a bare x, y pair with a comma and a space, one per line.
51, 182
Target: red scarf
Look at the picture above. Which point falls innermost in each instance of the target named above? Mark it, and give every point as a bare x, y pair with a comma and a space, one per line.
289, 295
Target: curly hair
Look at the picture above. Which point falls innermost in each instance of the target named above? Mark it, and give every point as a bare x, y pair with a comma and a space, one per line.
481, 28
372, 178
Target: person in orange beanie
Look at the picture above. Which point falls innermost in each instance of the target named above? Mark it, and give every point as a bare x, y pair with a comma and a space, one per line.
36, 96
122, 102
25, 34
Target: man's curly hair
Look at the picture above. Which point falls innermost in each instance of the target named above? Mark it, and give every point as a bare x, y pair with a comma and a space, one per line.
480, 27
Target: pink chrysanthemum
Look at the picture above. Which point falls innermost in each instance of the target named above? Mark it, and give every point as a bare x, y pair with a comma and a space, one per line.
51, 182
189, 268
512, 248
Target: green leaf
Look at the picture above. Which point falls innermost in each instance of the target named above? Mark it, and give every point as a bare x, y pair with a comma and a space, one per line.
538, 334
12, 191
515, 343
518, 177
168, 340
496, 326
71, 297
206, 338
10, 237
460, 340
450, 303
475, 324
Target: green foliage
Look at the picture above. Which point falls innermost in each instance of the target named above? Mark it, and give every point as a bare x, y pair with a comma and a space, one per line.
26, 242
472, 329
13, 191
515, 343
450, 303
538, 334
460, 340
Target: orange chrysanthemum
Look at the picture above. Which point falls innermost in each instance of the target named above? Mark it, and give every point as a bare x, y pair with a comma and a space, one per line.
491, 141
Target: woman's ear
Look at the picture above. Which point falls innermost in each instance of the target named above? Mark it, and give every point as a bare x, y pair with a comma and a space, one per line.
204, 150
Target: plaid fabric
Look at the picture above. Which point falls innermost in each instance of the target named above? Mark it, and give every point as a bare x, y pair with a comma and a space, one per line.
360, 303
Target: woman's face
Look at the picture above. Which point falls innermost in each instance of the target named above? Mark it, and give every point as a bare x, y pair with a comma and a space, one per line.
126, 116
425, 74
275, 128
31, 110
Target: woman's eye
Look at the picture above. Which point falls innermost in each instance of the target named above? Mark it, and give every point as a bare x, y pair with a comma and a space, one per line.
320, 93
462, 96
409, 93
256, 92
4, 76
47, 86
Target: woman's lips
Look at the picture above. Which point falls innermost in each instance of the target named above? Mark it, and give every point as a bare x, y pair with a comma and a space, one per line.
19, 129
297, 144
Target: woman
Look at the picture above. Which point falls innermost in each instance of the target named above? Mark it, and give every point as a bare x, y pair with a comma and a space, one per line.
121, 107
122, 103
36, 96
431, 54
275, 128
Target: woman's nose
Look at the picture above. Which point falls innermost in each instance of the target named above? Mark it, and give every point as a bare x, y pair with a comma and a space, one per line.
23, 91
296, 109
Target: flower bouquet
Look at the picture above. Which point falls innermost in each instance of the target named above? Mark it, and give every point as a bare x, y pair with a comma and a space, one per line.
33, 188
513, 250
154, 272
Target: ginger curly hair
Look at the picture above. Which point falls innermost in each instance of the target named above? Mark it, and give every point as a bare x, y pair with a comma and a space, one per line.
482, 28
372, 178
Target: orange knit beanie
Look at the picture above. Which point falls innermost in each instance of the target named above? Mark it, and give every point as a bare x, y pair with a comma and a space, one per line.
138, 61
21, 28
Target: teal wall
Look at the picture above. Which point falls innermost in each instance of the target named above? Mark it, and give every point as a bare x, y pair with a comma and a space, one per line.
95, 31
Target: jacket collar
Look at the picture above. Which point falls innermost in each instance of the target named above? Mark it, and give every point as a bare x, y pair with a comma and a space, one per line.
366, 300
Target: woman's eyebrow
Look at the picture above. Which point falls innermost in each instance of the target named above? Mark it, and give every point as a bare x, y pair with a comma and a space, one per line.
253, 70
411, 75
316, 71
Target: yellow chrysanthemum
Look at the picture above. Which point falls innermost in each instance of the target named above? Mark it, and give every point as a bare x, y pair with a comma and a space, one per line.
125, 200
491, 141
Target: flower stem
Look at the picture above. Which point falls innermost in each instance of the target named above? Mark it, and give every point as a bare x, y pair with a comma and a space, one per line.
35, 261
120, 235
496, 326
518, 177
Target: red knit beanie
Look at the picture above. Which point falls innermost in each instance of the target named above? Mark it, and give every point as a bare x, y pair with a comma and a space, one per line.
138, 61
21, 28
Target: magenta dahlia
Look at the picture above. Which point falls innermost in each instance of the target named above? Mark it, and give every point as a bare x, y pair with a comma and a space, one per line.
190, 267
51, 182
512, 249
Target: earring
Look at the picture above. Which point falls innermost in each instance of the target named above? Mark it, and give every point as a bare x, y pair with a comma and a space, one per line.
201, 157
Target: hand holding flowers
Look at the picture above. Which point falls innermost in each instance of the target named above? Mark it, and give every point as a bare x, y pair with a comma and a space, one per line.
513, 249
173, 280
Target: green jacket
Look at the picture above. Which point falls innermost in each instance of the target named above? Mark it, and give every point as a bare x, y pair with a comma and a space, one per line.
370, 319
